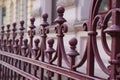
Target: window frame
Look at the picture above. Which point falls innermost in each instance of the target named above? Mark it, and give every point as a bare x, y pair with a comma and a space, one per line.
53, 11
109, 7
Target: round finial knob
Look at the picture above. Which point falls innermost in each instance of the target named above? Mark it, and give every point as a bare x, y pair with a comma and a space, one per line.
45, 16
5, 40
36, 48
32, 20
25, 41
73, 53
14, 24
60, 20
10, 41
73, 42
8, 26
44, 22
60, 9
51, 41
2, 31
17, 40
21, 25
14, 27
21, 22
50, 49
2, 27
37, 41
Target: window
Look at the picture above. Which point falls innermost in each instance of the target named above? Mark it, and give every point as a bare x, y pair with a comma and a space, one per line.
22, 11
12, 12
54, 10
25, 12
3, 14
18, 11
105, 6
49, 6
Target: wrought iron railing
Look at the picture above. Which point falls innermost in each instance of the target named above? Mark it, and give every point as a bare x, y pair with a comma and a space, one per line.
22, 59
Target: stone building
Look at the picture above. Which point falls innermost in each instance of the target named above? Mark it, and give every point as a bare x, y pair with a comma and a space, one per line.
76, 13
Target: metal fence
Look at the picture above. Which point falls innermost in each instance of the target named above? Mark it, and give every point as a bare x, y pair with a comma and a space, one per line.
28, 59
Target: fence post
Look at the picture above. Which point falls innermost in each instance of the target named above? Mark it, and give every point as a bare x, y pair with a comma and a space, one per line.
114, 32
31, 34
44, 31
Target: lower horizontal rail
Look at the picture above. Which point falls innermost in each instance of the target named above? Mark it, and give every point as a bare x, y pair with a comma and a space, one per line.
53, 68
25, 74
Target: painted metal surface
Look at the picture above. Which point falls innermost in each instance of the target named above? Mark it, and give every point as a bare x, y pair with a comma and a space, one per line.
22, 59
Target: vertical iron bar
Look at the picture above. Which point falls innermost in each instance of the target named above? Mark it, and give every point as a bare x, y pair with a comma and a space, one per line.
2, 48
44, 31
7, 58
31, 34
114, 32
21, 39
59, 30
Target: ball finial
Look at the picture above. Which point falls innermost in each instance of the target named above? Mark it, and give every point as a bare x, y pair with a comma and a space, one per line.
45, 16
37, 41
60, 9
21, 22
73, 42
51, 41
32, 20
14, 24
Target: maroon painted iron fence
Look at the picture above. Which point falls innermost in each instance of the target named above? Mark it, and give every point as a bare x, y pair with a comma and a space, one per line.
23, 59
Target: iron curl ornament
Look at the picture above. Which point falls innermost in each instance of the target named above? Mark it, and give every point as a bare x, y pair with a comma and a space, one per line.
37, 58
114, 30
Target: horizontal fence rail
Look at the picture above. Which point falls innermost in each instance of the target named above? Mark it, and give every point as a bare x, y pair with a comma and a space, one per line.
30, 58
